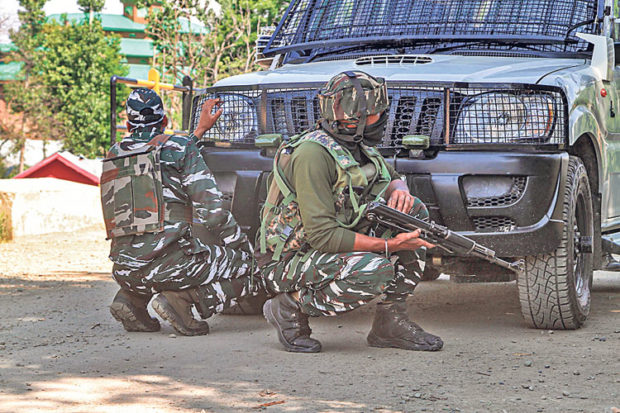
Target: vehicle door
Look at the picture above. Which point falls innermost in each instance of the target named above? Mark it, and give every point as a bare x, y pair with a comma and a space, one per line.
611, 201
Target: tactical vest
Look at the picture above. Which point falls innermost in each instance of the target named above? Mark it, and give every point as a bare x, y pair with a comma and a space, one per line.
132, 192
281, 227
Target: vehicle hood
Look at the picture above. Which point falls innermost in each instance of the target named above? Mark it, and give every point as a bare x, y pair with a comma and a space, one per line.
445, 68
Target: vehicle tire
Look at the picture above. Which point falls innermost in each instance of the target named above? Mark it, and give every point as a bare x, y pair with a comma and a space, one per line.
430, 273
554, 290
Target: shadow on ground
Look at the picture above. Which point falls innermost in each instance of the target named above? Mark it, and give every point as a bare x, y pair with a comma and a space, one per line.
61, 350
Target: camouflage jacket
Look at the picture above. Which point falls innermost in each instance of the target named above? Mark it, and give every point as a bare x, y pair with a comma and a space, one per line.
186, 180
312, 197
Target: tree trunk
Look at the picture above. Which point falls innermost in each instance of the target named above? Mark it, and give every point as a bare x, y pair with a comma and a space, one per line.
22, 144
22, 149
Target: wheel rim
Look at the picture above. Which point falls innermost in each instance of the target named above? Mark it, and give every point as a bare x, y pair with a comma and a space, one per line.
581, 227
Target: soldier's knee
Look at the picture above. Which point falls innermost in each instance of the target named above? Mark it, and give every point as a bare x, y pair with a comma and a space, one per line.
384, 273
368, 272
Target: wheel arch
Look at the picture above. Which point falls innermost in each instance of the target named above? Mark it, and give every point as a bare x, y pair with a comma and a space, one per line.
586, 137
589, 153
586, 149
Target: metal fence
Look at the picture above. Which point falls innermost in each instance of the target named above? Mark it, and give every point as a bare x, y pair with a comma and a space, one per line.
449, 114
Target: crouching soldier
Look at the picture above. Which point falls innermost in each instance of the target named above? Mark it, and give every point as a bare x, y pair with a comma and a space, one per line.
158, 196
316, 251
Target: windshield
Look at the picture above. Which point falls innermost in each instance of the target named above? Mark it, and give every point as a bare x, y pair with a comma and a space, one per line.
323, 28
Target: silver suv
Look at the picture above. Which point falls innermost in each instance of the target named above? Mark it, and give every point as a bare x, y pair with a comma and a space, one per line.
504, 120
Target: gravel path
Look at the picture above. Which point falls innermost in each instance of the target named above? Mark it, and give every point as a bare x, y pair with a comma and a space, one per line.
58, 253
60, 350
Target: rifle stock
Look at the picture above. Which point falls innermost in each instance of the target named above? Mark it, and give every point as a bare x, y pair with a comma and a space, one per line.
439, 235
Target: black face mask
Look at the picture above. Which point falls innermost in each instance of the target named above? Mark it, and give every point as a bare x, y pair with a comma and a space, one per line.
373, 134
344, 136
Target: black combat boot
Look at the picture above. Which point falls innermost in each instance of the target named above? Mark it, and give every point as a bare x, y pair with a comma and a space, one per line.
392, 328
248, 305
284, 313
176, 308
130, 309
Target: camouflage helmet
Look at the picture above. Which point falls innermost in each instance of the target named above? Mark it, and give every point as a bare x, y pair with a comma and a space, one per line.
338, 100
144, 108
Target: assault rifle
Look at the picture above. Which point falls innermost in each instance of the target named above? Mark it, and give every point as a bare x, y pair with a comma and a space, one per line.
441, 236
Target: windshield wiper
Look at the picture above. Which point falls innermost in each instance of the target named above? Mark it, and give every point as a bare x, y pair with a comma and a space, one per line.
578, 25
424, 48
343, 50
521, 44
407, 41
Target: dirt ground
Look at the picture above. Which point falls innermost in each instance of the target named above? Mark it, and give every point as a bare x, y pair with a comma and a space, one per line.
61, 350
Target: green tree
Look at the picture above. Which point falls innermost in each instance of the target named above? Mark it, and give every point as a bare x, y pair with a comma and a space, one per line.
64, 91
27, 38
180, 51
22, 95
91, 7
76, 66
224, 47
245, 18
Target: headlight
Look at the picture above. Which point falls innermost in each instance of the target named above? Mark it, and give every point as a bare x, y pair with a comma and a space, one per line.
504, 118
238, 122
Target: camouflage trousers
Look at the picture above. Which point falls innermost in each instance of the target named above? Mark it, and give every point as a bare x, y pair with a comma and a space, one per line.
332, 283
222, 275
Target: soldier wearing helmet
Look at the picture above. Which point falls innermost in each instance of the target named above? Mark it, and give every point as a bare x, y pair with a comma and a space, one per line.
316, 252
170, 233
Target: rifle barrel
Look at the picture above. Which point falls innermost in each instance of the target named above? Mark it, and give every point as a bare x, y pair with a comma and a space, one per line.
443, 237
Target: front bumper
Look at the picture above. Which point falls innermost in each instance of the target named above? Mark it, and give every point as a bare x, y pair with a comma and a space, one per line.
527, 223
527, 220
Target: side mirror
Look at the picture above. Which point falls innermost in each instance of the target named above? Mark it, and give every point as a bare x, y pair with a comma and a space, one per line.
602, 62
269, 140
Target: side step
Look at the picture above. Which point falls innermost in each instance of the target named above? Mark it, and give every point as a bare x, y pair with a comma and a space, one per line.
611, 245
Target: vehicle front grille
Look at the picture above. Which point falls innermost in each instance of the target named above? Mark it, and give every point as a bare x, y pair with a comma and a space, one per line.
494, 224
509, 198
477, 115
414, 112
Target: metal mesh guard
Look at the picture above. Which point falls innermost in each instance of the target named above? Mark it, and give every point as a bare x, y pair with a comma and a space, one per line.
325, 22
487, 114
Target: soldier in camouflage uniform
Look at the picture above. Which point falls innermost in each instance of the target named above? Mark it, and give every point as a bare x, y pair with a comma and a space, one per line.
170, 234
317, 253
